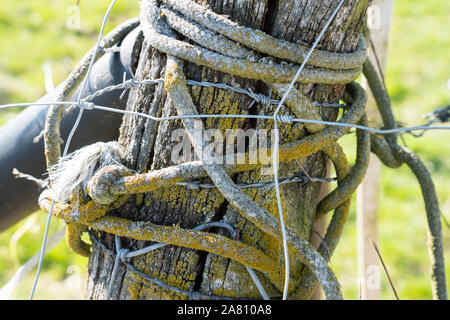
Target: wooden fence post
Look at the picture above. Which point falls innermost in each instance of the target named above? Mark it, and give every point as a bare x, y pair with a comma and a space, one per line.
369, 272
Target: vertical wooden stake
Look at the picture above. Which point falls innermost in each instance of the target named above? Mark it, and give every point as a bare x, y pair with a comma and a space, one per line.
369, 272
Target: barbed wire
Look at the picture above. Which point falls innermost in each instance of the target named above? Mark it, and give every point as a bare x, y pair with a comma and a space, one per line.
86, 105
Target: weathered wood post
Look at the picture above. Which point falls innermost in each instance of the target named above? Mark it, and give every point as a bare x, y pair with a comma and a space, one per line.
379, 22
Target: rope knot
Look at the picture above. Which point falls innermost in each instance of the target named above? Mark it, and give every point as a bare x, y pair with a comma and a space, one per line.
100, 187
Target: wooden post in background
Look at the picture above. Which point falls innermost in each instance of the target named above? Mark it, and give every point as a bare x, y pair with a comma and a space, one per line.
369, 272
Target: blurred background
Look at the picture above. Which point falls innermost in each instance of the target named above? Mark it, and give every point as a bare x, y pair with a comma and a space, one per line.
54, 34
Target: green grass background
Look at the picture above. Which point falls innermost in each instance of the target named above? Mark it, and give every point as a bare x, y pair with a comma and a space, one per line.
32, 32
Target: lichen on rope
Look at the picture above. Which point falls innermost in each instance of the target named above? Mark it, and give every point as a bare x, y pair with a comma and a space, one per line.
394, 155
225, 46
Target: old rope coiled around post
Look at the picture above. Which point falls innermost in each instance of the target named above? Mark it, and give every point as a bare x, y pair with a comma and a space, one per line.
227, 47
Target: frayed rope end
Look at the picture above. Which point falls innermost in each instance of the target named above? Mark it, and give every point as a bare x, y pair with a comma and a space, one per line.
72, 173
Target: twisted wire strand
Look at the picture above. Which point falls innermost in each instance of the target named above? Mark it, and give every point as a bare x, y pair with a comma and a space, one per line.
257, 97
235, 250
72, 81
301, 179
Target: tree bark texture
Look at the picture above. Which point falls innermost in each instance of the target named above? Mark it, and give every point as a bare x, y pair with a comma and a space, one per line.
292, 20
